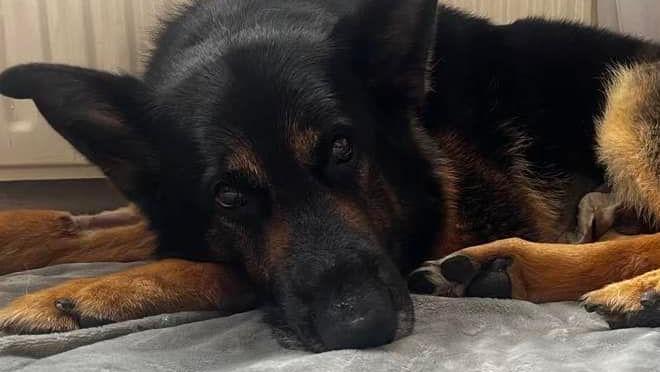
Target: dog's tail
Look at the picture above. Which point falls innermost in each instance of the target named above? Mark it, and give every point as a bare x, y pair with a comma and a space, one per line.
628, 138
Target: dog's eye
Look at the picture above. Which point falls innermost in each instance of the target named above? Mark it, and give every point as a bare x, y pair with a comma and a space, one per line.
230, 198
342, 150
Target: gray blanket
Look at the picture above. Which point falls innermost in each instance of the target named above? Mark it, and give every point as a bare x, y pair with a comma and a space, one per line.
451, 335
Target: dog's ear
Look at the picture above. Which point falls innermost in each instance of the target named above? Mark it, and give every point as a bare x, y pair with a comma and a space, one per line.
388, 44
102, 115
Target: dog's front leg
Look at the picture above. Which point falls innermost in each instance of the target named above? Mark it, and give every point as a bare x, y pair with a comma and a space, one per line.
538, 272
630, 303
165, 286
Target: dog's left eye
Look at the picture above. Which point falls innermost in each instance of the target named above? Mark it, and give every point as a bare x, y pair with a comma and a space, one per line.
342, 150
230, 198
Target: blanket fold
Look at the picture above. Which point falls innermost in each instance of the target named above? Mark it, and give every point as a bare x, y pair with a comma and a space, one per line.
450, 335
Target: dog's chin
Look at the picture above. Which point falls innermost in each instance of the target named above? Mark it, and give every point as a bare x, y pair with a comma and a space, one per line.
293, 337
300, 334
406, 316
295, 334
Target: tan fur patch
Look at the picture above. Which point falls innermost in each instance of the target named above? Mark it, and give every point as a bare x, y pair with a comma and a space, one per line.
543, 208
244, 160
624, 296
628, 137
33, 239
166, 286
543, 272
303, 144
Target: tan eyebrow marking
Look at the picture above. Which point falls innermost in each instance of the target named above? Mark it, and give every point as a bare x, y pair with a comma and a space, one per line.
302, 143
245, 160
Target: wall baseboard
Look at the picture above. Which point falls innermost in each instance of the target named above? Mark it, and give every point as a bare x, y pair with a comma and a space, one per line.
77, 196
48, 172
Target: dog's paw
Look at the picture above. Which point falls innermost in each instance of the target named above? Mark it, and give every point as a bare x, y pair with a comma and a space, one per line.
73, 305
631, 303
460, 275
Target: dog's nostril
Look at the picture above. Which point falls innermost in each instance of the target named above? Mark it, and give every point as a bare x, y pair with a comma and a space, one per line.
344, 306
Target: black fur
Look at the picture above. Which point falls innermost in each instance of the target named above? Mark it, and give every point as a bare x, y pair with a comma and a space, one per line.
247, 73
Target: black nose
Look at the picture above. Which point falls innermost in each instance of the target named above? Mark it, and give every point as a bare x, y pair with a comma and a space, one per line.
357, 322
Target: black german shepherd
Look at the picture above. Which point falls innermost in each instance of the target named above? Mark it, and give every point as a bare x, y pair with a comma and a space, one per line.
315, 152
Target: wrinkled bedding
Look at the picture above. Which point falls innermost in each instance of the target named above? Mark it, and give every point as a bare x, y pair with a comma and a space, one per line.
450, 335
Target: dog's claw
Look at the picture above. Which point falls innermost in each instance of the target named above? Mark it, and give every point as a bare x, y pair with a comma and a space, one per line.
68, 307
622, 309
65, 305
590, 308
649, 299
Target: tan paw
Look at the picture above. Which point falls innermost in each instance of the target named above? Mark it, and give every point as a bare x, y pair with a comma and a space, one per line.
49, 310
630, 303
162, 287
84, 303
490, 270
459, 276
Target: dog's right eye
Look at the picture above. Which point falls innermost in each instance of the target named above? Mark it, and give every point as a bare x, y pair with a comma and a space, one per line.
342, 150
230, 198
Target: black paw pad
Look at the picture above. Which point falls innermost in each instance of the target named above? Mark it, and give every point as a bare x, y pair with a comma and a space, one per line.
492, 282
458, 269
68, 307
419, 283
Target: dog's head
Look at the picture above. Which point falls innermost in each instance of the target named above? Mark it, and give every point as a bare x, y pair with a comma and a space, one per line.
291, 154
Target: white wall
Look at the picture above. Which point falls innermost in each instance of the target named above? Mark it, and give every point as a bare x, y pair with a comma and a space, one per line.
104, 34
113, 35
635, 17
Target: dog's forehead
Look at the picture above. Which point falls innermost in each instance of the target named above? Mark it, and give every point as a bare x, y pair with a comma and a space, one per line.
262, 111
283, 110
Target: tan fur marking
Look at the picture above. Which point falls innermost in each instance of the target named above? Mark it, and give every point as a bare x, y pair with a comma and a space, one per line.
624, 296
543, 272
542, 208
32, 239
628, 137
303, 144
243, 159
166, 286
545, 206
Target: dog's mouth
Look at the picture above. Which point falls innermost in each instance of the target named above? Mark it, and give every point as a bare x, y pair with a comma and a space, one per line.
355, 321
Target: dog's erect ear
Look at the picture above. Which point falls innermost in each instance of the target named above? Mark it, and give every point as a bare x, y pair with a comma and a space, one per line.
102, 115
388, 43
